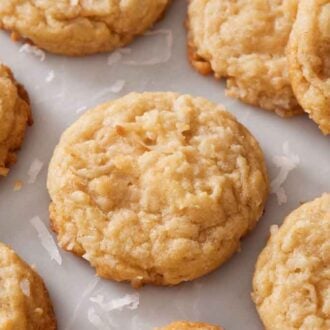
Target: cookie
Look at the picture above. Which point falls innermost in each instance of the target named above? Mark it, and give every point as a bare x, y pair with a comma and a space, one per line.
245, 42
291, 282
156, 187
309, 59
79, 27
183, 325
15, 115
24, 301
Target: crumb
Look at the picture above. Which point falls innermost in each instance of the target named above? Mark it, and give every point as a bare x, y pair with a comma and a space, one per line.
18, 185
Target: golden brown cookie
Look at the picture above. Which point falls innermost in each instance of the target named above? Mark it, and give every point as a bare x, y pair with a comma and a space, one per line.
15, 115
79, 27
156, 187
292, 277
245, 42
184, 325
309, 58
24, 301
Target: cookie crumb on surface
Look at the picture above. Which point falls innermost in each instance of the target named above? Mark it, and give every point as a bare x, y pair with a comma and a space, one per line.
18, 185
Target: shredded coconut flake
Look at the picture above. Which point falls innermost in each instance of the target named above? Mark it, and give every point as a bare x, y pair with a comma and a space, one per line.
81, 109
47, 240
166, 53
286, 163
34, 170
109, 90
130, 301
25, 287
117, 86
50, 76
117, 55
114, 57
96, 320
30, 49
91, 286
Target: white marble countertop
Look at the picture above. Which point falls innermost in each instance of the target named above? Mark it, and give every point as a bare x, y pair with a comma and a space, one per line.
60, 88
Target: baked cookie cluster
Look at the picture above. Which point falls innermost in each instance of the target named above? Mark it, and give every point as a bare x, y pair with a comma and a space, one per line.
160, 188
274, 54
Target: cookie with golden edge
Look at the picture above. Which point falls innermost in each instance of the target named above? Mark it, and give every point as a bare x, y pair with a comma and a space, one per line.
291, 285
245, 42
24, 300
309, 58
156, 187
15, 116
184, 325
79, 27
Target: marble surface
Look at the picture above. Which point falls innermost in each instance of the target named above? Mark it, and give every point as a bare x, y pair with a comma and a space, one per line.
60, 89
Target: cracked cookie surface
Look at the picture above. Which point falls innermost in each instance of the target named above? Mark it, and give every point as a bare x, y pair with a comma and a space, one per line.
79, 27
15, 115
245, 41
184, 325
309, 58
156, 187
291, 282
24, 301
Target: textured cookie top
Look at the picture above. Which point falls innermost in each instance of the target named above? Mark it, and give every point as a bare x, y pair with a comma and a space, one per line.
183, 325
79, 27
309, 56
14, 117
24, 301
292, 278
245, 41
156, 187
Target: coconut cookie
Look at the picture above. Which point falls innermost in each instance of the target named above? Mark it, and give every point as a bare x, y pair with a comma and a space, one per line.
156, 187
309, 57
245, 42
15, 115
79, 27
291, 282
183, 325
24, 301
